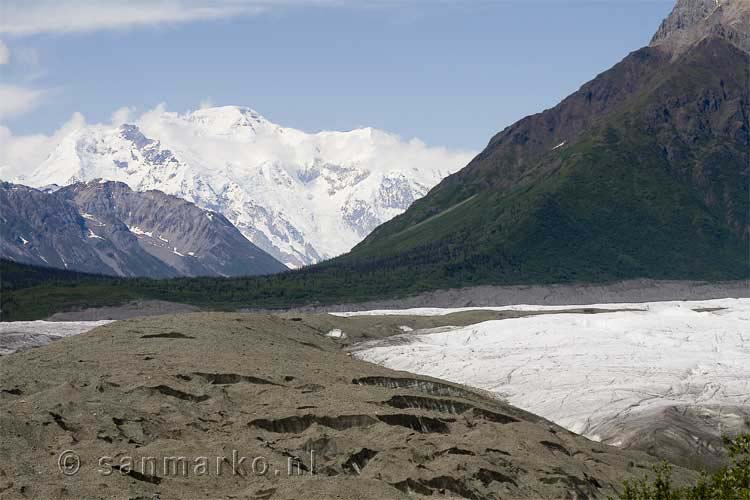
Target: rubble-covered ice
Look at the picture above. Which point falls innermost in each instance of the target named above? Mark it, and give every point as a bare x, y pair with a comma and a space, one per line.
21, 335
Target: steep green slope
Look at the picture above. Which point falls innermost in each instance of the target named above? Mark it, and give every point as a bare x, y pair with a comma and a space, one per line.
656, 186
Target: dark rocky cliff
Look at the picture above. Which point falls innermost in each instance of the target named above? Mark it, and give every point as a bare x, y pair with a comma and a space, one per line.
105, 227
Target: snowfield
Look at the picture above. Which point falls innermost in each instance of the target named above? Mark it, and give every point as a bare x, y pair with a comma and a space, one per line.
21, 335
587, 372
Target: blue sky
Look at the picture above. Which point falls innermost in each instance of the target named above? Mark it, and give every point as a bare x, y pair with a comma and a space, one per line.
451, 73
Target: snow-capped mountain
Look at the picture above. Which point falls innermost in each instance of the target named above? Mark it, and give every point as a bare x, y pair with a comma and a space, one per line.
300, 197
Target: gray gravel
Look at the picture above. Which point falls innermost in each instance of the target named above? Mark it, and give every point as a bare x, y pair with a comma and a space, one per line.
642, 290
481, 296
132, 310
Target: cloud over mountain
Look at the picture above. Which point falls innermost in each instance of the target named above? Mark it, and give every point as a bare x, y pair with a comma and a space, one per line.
75, 16
15, 99
302, 197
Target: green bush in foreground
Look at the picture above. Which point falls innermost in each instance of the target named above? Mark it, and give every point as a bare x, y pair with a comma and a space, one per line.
729, 483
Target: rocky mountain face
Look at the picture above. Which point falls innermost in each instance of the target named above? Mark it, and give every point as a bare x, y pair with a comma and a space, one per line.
643, 172
105, 227
300, 197
694, 20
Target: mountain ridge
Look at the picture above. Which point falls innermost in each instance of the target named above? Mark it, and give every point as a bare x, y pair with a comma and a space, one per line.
694, 20
105, 227
511, 216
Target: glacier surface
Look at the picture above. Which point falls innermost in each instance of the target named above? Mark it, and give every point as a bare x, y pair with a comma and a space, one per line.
21, 335
587, 371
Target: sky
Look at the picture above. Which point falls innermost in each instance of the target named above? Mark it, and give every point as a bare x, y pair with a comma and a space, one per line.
449, 72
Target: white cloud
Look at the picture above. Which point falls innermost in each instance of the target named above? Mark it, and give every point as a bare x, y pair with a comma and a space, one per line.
153, 115
122, 115
20, 154
15, 100
375, 149
4, 53
21, 17
25, 17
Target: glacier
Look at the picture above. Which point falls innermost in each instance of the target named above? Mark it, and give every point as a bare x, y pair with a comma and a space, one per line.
302, 197
591, 373
18, 336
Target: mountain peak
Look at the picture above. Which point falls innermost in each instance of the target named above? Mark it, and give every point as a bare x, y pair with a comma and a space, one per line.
302, 197
229, 111
105, 227
227, 118
133, 134
693, 20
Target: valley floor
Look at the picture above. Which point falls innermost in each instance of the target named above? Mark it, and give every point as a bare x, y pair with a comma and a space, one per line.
156, 397
666, 377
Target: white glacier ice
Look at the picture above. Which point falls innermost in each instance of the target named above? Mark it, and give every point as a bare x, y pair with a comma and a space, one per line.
584, 370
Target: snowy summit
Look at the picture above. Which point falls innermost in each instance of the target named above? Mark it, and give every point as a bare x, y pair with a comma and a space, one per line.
302, 197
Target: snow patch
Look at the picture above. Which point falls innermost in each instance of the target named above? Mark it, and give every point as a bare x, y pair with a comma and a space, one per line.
442, 311
92, 219
24, 240
94, 235
336, 333
140, 232
559, 146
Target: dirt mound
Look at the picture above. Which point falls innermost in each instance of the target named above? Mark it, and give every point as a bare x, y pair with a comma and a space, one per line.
268, 407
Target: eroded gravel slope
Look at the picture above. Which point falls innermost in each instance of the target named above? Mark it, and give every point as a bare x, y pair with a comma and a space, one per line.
205, 385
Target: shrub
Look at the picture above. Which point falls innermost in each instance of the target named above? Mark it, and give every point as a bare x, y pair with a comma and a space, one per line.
729, 483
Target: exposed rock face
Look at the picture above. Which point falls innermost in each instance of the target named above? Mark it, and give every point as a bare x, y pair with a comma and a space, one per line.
685, 16
39, 228
274, 387
105, 227
693, 20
